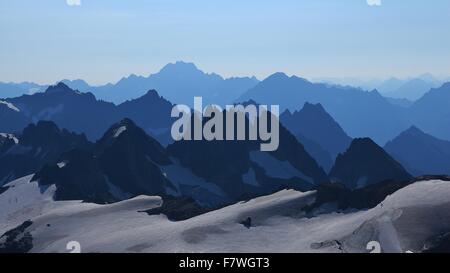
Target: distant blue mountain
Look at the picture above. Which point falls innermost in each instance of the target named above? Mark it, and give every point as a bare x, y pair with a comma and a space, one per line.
359, 113
420, 153
431, 113
412, 90
389, 85
178, 82
10, 90
80, 85
400, 102
321, 135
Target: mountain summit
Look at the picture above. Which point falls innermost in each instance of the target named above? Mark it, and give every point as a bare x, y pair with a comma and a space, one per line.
178, 82
420, 153
314, 123
365, 163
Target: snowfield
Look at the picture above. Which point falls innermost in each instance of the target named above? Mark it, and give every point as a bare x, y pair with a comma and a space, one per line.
405, 221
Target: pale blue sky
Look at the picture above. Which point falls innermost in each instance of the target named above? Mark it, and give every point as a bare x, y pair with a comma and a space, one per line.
103, 40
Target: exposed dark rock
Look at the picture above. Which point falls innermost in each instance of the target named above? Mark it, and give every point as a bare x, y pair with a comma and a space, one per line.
247, 222
17, 240
125, 158
224, 163
438, 244
3, 189
39, 144
178, 208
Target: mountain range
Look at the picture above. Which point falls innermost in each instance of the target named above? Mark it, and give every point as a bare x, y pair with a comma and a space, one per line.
358, 111
410, 89
83, 113
355, 110
178, 82
74, 165
319, 133
10, 90
126, 162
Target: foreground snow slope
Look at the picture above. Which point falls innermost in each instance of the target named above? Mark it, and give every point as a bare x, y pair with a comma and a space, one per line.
407, 220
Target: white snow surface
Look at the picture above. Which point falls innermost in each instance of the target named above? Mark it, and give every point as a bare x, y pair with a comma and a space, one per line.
404, 221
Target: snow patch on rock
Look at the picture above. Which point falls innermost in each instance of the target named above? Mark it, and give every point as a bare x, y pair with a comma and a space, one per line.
119, 131
10, 136
10, 106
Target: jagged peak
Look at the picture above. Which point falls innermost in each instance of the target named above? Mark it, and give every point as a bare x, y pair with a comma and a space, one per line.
281, 76
314, 107
42, 125
179, 65
59, 87
126, 122
414, 129
124, 126
363, 141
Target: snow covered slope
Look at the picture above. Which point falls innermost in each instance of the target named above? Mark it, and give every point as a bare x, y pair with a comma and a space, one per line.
407, 220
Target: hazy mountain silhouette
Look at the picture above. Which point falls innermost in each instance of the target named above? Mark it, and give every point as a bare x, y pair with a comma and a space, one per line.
80, 85
365, 163
411, 90
10, 90
355, 110
76, 111
389, 85
431, 113
178, 82
405, 103
420, 153
314, 123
